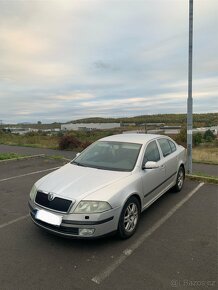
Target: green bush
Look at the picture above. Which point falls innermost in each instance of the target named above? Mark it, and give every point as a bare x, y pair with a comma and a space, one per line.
197, 138
209, 136
31, 134
181, 138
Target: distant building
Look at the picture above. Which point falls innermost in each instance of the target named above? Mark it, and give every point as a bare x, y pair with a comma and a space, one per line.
153, 124
128, 124
170, 127
202, 130
171, 130
134, 132
89, 126
24, 131
155, 131
19, 131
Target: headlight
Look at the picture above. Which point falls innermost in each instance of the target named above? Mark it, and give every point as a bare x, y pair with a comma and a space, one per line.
33, 192
92, 207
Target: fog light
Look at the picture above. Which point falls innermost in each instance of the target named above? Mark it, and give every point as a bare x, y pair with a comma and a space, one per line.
86, 232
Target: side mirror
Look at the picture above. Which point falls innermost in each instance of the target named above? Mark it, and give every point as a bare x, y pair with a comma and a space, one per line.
150, 165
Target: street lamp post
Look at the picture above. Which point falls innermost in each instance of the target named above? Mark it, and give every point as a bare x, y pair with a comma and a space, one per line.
190, 101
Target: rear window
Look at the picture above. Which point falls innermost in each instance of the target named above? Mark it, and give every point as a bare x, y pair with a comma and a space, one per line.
172, 145
165, 147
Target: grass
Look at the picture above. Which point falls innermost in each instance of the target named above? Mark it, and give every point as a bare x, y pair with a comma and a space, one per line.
6, 156
199, 176
204, 174
205, 154
51, 142
39, 141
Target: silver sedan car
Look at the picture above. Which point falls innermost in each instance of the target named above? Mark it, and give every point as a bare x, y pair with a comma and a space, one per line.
107, 186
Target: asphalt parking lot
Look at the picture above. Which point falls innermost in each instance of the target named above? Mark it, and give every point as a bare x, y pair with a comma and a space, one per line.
175, 246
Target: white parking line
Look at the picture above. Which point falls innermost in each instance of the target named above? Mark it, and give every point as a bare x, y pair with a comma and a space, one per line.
127, 252
14, 221
31, 173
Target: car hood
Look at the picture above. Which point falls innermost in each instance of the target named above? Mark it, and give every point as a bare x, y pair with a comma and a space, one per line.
76, 182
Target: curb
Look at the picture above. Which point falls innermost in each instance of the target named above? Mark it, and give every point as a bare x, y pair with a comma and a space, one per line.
213, 180
205, 162
59, 158
23, 157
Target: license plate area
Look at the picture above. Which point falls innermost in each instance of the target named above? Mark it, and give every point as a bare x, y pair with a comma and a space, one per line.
48, 217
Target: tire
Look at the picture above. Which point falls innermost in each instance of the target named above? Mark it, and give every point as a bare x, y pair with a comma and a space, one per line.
129, 218
179, 179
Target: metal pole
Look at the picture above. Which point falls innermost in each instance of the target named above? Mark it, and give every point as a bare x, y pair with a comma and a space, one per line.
190, 101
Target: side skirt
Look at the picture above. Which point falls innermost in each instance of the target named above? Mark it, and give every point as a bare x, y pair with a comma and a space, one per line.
157, 196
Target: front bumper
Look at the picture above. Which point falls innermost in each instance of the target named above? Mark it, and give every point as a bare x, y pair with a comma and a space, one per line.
74, 225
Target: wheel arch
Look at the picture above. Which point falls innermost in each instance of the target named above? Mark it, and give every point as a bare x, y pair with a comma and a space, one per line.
137, 196
183, 166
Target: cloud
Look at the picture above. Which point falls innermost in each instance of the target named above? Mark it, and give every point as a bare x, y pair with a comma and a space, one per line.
66, 59
103, 66
78, 96
22, 42
25, 58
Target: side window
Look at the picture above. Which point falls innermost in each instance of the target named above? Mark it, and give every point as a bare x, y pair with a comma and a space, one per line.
172, 145
165, 147
151, 153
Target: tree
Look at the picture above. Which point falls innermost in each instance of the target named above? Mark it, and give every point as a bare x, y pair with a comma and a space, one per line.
209, 136
181, 138
197, 138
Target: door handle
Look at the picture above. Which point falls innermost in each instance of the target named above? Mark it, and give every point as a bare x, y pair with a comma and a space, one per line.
162, 166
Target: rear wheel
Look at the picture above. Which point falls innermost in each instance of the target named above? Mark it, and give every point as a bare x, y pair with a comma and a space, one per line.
129, 218
180, 179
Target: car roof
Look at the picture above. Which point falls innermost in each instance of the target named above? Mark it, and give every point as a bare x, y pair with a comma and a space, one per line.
132, 138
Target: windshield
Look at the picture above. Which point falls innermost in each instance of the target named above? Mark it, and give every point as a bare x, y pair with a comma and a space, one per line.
119, 156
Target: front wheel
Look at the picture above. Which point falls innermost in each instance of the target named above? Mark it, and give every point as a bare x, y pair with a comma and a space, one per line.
180, 179
129, 218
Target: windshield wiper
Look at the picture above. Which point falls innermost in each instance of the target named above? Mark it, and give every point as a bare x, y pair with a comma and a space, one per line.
79, 164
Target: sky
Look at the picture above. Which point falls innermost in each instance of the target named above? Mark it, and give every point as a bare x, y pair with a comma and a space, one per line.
63, 60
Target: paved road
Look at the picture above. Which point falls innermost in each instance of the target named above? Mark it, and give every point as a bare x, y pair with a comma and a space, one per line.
174, 247
203, 168
33, 151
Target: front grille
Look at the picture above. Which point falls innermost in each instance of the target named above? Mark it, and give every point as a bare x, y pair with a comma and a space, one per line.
61, 229
59, 204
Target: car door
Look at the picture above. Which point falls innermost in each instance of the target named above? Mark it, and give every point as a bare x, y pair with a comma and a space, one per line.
169, 153
152, 179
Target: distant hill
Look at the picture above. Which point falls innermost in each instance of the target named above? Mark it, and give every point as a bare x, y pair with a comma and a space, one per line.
200, 120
